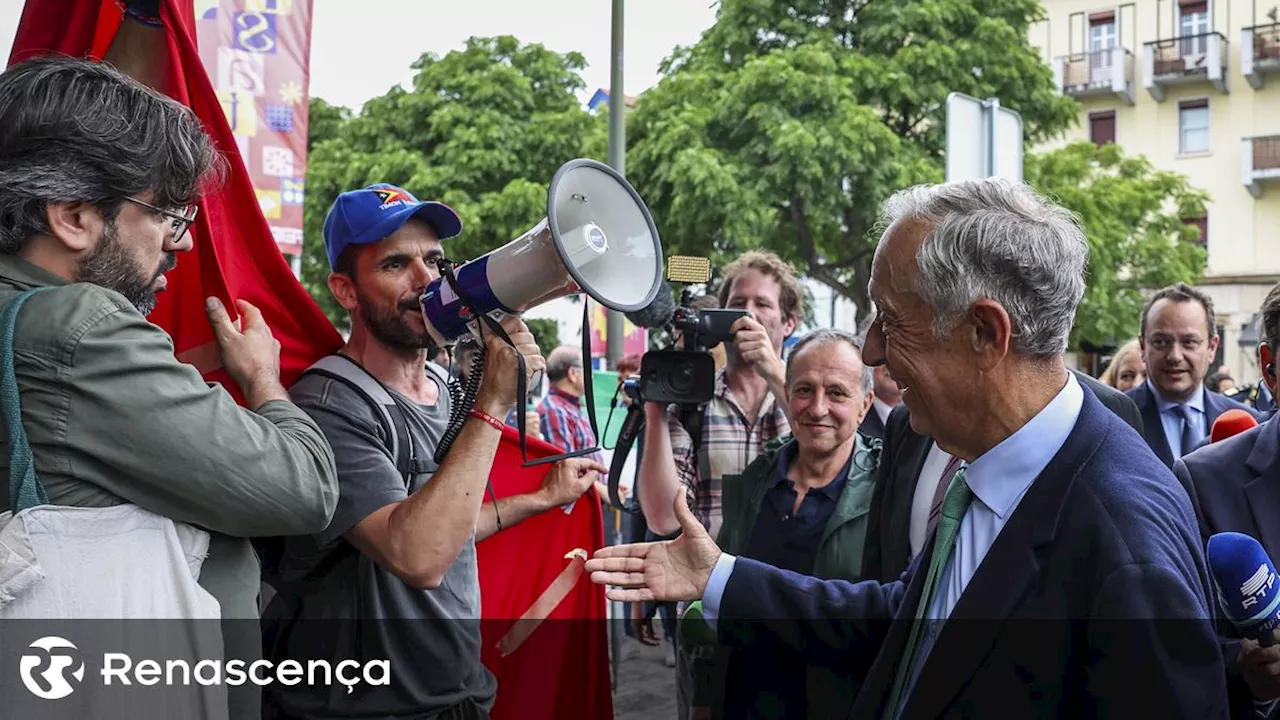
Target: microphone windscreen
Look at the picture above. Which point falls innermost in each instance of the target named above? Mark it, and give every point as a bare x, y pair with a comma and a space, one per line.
1231, 422
1246, 582
657, 313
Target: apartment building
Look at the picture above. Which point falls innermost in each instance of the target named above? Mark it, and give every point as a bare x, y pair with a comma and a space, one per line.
1194, 85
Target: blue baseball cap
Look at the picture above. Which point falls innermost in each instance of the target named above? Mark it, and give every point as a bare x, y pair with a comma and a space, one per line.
367, 215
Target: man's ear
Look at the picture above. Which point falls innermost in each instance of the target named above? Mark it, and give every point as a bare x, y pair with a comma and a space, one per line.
344, 290
77, 225
992, 332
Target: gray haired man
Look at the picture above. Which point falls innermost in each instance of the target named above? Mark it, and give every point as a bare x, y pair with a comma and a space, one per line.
1065, 577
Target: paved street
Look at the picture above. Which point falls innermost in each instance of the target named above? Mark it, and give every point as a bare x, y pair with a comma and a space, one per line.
646, 688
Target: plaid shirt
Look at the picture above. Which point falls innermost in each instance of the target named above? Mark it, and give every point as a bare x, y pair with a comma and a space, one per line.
729, 444
565, 423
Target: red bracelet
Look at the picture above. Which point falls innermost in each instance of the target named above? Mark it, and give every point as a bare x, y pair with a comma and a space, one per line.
482, 415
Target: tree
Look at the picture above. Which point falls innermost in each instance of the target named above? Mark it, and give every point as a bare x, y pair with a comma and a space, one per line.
788, 124
482, 129
1133, 216
546, 332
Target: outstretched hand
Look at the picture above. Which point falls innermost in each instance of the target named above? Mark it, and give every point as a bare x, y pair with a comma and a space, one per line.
663, 571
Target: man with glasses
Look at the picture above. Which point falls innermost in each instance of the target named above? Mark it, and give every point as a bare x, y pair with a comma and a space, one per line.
1179, 340
98, 179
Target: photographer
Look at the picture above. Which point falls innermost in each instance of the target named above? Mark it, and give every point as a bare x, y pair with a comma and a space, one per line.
397, 565
691, 451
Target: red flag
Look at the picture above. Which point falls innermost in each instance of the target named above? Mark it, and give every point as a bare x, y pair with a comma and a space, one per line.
545, 635
235, 255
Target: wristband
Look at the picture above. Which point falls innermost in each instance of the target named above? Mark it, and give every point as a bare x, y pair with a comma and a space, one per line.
482, 415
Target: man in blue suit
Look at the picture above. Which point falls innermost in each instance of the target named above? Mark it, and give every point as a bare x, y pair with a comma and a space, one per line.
1064, 577
1234, 486
1179, 338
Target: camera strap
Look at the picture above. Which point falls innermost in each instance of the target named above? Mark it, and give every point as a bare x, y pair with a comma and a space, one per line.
447, 272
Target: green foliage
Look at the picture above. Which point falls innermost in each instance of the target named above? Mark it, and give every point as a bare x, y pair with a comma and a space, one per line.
789, 123
483, 129
546, 332
1132, 214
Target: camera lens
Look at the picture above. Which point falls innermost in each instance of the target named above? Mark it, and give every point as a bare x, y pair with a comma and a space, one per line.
681, 380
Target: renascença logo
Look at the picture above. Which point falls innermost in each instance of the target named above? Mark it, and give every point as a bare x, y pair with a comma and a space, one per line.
45, 672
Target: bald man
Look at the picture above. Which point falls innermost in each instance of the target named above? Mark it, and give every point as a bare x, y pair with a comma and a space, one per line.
564, 420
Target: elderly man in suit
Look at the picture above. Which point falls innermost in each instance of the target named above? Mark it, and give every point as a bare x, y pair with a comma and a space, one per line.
1234, 486
1062, 541
913, 476
1179, 339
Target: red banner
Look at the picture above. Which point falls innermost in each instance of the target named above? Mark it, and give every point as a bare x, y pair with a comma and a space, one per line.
257, 53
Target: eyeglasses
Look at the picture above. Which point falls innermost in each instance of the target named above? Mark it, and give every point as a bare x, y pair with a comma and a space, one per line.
181, 221
1164, 343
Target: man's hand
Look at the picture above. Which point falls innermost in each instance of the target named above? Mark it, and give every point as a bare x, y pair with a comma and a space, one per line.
497, 394
1260, 668
250, 353
754, 346
666, 571
568, 479
642, 626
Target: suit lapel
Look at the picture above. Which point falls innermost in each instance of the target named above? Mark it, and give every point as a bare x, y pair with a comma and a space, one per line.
1009, 569
1151, 425
1263, 491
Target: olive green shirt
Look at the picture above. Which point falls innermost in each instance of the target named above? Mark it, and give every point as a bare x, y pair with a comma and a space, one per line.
113, 417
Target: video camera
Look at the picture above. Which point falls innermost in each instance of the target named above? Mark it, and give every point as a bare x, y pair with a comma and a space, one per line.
683, 375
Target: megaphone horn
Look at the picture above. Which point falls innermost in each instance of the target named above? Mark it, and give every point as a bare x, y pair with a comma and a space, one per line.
596, 238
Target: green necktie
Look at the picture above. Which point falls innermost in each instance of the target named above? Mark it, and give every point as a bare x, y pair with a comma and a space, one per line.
953, 509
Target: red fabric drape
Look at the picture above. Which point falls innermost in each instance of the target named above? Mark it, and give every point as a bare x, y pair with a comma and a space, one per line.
235, 255
561, 670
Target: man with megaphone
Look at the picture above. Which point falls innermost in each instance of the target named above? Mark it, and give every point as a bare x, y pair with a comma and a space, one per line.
394, 576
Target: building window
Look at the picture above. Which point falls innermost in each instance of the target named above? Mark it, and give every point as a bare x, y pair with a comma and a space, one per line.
1193, 126
1193, 20
1202, 224
1102, 127
1102, 38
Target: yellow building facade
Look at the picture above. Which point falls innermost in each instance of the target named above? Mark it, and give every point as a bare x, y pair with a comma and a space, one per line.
1195, 87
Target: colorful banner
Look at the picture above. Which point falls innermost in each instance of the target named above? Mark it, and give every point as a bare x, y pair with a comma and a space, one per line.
635, 339
258, 53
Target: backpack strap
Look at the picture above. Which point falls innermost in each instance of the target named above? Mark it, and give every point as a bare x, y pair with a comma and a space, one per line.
25, 490
389, 413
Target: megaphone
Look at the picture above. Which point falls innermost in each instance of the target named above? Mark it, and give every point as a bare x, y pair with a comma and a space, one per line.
596, 238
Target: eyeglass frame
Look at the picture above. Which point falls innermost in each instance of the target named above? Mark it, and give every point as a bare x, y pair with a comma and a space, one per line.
180, 231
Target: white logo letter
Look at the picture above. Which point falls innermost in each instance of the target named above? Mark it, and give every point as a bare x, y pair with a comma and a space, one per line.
45, 671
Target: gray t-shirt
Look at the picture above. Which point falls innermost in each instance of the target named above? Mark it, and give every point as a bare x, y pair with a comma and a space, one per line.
342, 605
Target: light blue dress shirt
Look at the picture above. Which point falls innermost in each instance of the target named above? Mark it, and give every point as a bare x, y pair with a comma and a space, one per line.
999, 480
1171, 418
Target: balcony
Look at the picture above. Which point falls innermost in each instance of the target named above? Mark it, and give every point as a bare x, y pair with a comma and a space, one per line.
1183, 60
1259, 52
1096, 73
1261, 161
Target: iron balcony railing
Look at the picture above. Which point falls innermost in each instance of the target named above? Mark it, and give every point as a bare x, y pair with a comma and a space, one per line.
1094, 68
1188, 53
1266, 42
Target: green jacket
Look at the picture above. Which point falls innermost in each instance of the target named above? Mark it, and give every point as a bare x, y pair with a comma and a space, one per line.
113, 417
839, 557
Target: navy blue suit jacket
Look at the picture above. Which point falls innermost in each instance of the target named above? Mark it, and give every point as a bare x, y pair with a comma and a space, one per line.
1055, 623
1214, 405
1234, 486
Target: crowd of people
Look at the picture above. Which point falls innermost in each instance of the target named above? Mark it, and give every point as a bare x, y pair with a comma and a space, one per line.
935, 518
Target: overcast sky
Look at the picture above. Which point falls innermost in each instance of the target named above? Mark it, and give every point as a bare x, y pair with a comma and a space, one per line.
360, 48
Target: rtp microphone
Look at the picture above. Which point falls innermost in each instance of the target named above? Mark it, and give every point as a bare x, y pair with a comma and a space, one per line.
1231, 422
1246, 581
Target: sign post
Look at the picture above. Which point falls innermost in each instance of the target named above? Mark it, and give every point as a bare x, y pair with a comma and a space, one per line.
983, 139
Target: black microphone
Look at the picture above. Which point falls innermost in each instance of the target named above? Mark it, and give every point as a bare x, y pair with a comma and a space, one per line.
657, 313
